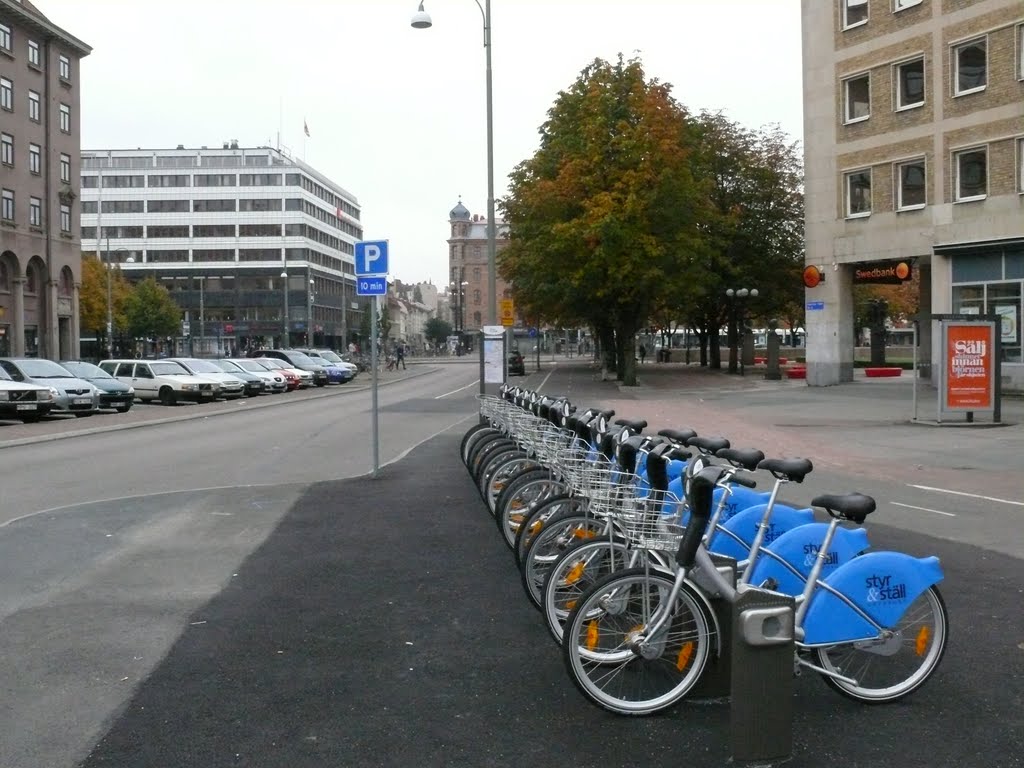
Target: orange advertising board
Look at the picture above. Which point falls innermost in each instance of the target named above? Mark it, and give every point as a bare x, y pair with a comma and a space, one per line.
969, 366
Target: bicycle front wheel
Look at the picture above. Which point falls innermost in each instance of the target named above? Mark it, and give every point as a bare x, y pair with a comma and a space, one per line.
891, 667
613, 662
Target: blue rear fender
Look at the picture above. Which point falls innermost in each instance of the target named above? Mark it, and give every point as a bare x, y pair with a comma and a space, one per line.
881, 585
734, 537
789, 559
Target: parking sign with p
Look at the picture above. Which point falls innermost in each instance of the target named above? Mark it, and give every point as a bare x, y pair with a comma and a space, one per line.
371, 257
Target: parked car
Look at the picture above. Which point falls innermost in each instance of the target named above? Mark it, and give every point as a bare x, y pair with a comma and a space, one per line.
113, 394
516, 364
297, 378
163, 380
254, 385
331, 359
295, 359
25, 402
274, 381
231, 387
70, 393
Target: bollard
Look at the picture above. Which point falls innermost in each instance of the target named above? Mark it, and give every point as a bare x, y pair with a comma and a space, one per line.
761, 709
715, 681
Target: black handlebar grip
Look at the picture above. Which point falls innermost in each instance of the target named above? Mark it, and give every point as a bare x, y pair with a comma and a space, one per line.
700, 495
745, 480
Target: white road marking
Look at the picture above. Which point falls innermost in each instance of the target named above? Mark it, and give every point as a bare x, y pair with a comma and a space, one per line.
923, 509
471, 384
971, 495
547, 377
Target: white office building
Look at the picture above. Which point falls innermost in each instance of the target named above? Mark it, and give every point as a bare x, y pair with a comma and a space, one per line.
255, 246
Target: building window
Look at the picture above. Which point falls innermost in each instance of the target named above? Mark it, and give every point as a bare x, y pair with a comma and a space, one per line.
33, 53
899, 5
33, 106
857, 98
65, 118
120, 182
260, 180
89, 206
213, 230
970, 67
65, 218
7, 205
35, 155
64, 68
910, 84
6, 149
260, 205
180, 230
1020, 52
122, 206
170, 180
35, 212
855, 13
293, 204
911, 189
121, 232
207, 206
65, 168
5, 37
259, 230
858, 193
6, 94
970, 168
215, 180
167, 206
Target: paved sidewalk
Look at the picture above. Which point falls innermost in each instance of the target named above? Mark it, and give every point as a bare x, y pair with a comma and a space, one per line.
383, 624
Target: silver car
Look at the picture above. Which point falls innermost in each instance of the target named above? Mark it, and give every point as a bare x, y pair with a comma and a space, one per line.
70, 394
231, 387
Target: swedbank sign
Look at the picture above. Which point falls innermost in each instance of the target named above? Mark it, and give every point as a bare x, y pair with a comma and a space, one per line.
883, 272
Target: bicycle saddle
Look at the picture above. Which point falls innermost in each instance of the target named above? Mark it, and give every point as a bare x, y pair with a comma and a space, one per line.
633, 425
746, 458
789, 469
847, 506
708, 444
678, 435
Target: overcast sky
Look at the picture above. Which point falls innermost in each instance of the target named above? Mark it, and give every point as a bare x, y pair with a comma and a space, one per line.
397, 115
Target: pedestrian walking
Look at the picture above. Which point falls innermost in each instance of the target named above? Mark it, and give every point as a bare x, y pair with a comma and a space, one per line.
400, 356
643, 353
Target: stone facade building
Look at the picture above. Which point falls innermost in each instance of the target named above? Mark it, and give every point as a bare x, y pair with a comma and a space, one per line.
40, 252
914, 153
467, 268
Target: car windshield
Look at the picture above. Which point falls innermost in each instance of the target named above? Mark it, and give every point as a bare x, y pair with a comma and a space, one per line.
300, 359
43, 369
4, 375
249, 365
331, 356
202, 366
87, 370
271, 363
169, 368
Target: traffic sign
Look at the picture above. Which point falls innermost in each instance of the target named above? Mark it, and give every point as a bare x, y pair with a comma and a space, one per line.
371, 286
371, 258
508, 313
533, 333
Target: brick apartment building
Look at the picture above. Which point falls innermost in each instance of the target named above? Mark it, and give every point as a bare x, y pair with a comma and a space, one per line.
40, 253
914, 153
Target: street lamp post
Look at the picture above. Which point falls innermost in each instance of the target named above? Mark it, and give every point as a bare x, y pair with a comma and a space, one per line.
284, 320
309, 314
421, 20
736, 331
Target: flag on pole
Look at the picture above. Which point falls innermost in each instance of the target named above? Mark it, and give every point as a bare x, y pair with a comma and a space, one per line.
305, 127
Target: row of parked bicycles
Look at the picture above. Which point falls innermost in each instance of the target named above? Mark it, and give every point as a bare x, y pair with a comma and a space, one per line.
625, 539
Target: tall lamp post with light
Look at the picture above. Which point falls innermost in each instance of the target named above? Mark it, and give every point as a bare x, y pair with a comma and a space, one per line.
421, 20
736, 330
309, 314
284, 319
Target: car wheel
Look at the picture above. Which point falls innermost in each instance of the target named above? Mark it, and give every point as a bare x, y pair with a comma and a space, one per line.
167, 396
31, 418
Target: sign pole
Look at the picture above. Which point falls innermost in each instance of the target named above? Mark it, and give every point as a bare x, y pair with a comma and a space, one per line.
373, 386
914, 367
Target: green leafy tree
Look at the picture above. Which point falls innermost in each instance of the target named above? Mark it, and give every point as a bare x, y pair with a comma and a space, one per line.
365, 332
437, 330
604, 217
151, 312
92, 298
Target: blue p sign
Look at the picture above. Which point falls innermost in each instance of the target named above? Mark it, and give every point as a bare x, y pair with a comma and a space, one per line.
371, 257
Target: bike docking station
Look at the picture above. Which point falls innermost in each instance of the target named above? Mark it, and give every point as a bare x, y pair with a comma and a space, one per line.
754, 667
492, 359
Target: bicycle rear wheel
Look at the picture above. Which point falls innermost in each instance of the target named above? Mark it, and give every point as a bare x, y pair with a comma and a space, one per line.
604, 656
887, 669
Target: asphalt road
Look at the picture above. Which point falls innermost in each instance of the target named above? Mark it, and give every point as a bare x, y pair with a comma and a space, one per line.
226, 590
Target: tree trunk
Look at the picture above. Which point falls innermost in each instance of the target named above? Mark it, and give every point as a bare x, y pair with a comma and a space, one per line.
702, 340
625, 338
714, 336
606, 336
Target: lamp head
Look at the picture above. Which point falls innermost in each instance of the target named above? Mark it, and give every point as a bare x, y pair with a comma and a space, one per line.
742, 293
284, 274
730, 292
753, 293
421, 19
